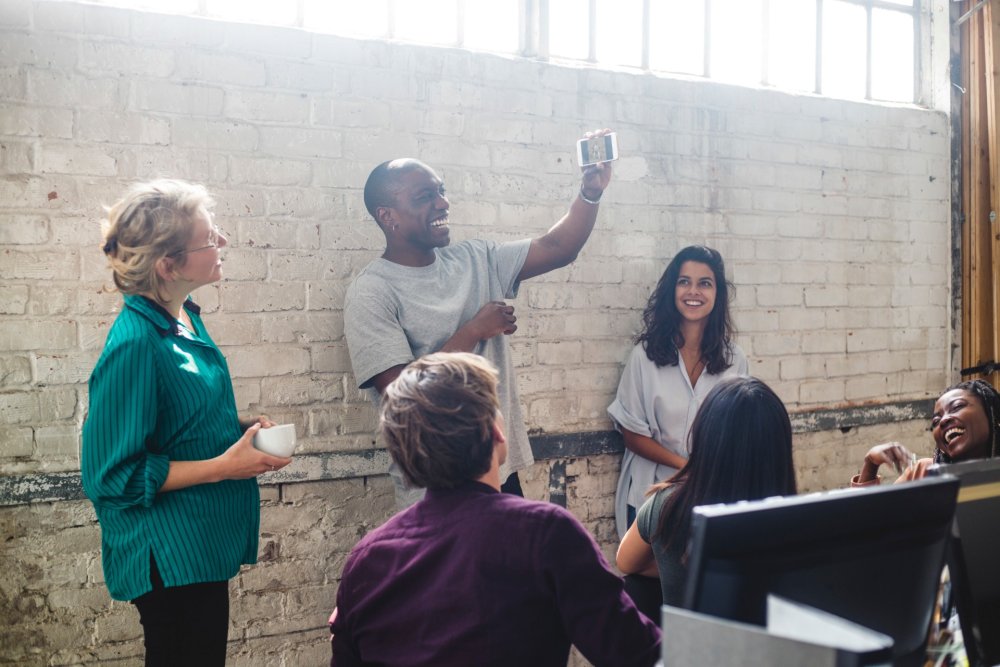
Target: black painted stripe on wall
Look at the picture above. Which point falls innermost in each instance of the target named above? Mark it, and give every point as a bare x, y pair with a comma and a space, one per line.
49, 487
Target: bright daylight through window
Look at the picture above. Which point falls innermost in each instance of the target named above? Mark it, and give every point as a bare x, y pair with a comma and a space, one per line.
857, 49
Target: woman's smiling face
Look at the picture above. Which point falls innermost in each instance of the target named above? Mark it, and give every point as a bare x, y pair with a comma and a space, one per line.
960, 426
694, 293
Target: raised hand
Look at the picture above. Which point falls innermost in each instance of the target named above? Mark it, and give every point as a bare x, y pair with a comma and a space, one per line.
596, 176
888, 453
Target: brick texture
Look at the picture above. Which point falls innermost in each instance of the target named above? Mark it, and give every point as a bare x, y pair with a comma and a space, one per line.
833, 217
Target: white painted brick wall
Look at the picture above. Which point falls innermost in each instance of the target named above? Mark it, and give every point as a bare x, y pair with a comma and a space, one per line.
833, 217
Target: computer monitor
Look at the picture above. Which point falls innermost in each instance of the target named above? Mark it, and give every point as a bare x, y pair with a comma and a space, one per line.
872, 556
974, 557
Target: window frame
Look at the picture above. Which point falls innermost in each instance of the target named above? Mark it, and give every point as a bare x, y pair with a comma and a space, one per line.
534, 27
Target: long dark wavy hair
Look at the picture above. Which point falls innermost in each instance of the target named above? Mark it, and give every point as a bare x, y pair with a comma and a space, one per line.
661, 336
989, 398
741, 449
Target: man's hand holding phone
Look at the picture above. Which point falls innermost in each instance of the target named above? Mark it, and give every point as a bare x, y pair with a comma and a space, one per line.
595, 152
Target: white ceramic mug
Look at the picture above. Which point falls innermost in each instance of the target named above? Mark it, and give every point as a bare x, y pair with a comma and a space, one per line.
279, 440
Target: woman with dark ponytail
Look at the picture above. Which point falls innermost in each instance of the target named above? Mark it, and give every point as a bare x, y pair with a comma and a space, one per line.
741, 449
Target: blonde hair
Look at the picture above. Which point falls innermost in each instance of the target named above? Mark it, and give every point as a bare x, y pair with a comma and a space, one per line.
437, 419
152, 221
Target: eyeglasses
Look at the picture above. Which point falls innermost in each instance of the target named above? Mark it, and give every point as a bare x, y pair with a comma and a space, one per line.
213, 242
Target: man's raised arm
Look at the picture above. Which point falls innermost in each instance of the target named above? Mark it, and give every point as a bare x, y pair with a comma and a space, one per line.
562, 243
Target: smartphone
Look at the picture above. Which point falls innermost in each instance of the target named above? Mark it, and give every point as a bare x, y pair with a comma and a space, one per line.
597, 149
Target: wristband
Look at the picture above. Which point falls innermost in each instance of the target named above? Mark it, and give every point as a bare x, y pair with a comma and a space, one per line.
593, 202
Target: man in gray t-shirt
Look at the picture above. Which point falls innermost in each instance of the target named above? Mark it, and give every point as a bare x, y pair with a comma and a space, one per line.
423, 295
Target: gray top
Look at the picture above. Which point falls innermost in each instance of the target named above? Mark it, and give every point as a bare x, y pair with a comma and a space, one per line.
394, 314
669, 563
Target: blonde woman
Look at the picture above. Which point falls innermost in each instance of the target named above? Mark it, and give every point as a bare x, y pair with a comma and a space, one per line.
166, 461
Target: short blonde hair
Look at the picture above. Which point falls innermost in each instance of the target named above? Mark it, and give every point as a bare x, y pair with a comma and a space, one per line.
152, 221
438, 416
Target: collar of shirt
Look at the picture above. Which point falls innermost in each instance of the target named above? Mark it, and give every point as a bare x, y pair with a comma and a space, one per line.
470, 486
158, 316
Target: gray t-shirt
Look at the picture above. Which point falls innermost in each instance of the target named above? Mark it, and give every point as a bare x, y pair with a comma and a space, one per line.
669, 562
394, 314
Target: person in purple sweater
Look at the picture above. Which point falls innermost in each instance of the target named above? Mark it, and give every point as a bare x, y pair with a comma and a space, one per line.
469, 575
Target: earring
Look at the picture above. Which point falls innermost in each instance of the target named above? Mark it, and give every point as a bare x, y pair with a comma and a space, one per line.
395, 227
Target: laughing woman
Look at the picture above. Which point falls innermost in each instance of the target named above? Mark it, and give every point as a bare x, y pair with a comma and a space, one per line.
166, 461
964, 427
684, 350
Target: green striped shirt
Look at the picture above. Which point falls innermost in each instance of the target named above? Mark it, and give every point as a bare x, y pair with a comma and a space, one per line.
160, 393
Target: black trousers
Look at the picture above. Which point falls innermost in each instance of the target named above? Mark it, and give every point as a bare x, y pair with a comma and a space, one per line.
184, 625
646, 593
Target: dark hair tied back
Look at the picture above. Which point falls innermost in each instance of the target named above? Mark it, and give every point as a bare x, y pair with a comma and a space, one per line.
741, 449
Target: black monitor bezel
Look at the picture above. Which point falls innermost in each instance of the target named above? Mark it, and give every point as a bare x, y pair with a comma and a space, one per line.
823, 518
981, 647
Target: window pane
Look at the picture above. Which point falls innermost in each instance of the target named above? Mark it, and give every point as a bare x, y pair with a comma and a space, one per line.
904, 3
619, 32
427, 21
347, 17
677, 36
569, 29
844, 39
257, 11
735, 51
493, 25
892, 56
791, 56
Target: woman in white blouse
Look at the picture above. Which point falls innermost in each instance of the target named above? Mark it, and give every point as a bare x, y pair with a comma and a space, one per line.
685, 348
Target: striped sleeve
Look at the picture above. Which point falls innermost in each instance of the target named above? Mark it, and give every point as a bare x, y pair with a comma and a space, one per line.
117, 467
